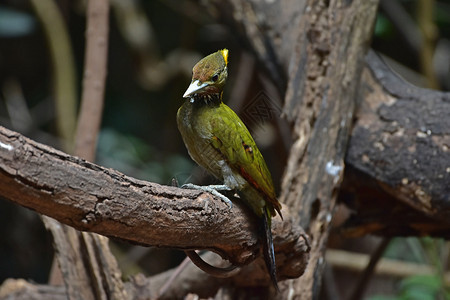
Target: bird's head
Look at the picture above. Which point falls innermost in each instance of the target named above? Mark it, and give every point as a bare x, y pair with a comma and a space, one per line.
209, 75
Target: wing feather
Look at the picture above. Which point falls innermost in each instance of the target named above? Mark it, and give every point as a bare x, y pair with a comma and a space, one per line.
233, 140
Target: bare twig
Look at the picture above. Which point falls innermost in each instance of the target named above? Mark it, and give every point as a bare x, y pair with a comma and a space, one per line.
404, 23
94, 79
363, 280
173, 276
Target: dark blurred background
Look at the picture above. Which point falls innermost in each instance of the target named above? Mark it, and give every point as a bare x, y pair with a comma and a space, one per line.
152, 48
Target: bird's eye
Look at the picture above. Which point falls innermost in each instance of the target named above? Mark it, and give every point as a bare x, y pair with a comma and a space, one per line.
215, 77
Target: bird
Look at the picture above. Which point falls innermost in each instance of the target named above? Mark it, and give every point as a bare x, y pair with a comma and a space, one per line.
218, 140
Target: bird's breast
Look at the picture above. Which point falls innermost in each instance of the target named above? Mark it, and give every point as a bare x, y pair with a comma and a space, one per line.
193, 126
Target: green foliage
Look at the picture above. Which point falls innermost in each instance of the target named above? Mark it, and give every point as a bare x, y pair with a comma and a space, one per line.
421, 287
406, 249
427, 251
426, 287
442, 15
383, 27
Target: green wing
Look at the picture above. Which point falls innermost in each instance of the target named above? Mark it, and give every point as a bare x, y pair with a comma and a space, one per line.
233, 140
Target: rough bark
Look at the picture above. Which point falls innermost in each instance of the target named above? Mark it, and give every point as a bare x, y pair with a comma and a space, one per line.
92, 198
21, 289
88, 268
331, 58
316, 49
398, 158
272, 31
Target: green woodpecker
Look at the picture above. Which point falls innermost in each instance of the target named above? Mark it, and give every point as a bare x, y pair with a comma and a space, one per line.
218, 140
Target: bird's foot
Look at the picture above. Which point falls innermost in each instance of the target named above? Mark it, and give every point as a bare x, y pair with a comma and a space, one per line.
213, 189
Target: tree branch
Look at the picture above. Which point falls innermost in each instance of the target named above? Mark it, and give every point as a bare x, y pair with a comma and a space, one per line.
93, 79
318, 46
21, 289
302, 40
91, 198
399, 145
398, 158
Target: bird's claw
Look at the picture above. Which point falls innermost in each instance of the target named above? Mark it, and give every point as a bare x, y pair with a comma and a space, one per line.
213, 189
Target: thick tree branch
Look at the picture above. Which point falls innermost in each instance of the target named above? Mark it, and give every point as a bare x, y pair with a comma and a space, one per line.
395, 121
319, 47
398, 158
320, 100
92, 198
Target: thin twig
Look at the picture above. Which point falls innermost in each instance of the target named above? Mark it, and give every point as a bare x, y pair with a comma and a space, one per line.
369, 271
174, 275
93, 80
404, 23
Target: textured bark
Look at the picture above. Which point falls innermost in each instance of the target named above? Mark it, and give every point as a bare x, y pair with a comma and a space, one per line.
330, 60
88, 268
316, 49
21, 289
92, 198
398, 158
395, 120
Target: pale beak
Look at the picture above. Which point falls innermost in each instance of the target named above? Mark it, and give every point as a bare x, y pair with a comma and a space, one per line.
193, 88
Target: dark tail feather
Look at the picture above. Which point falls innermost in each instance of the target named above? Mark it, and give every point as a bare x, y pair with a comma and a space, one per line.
269, 253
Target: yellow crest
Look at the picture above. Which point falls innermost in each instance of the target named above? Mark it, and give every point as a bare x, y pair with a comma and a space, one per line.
224, 53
